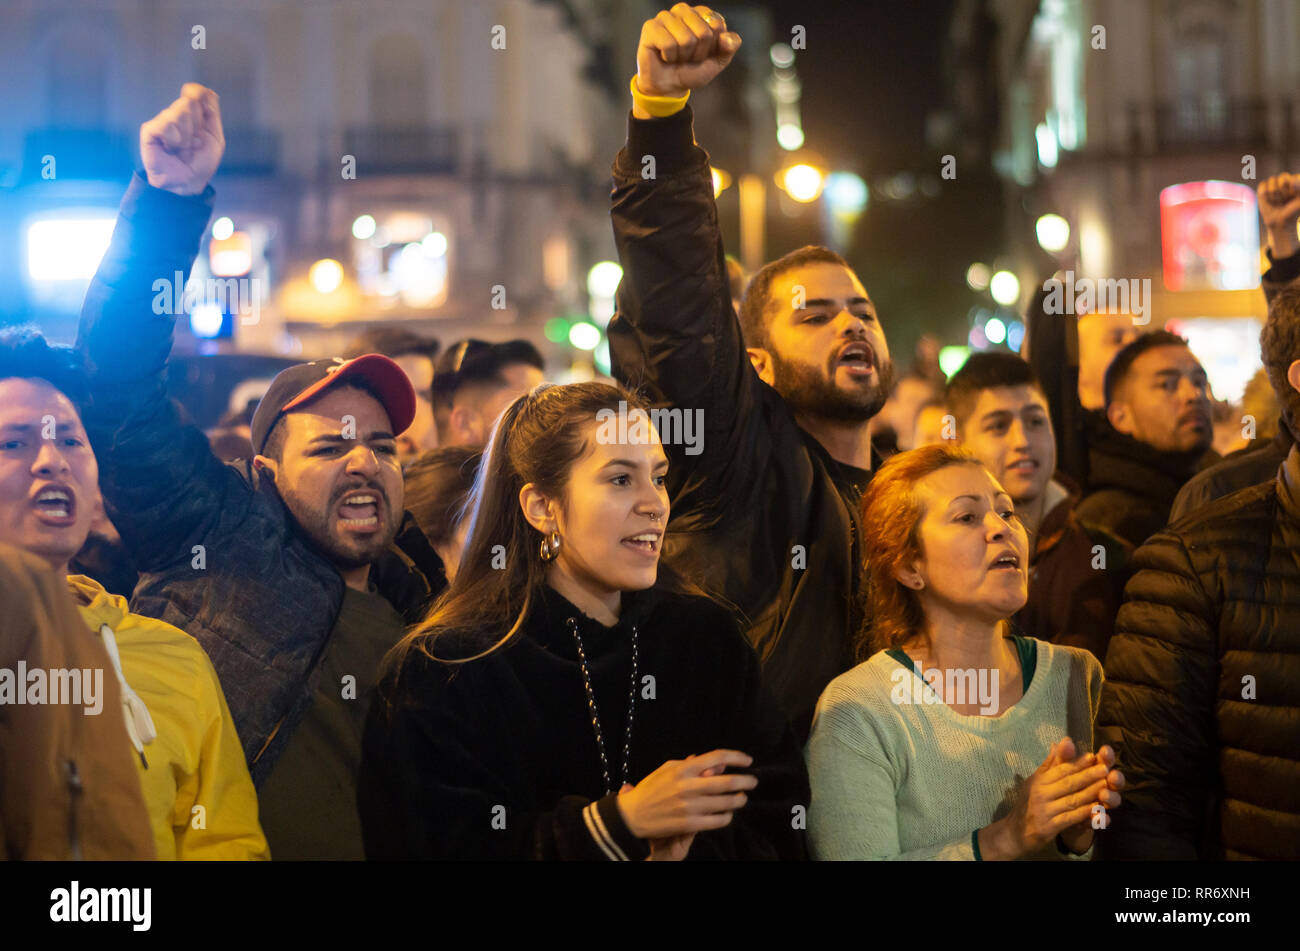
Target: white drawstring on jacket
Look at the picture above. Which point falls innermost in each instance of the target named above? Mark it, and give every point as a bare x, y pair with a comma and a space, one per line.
139, 724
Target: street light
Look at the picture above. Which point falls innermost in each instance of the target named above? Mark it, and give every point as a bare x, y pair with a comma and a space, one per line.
803, 182
584, 336
326, 275
789, 136
1005, 288
1053, 233
363, 227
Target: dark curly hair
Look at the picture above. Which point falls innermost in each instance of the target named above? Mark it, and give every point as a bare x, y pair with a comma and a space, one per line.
24, 352
1279, 346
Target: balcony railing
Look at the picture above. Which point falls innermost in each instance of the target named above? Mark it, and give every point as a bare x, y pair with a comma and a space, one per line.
1198, 124
413, 150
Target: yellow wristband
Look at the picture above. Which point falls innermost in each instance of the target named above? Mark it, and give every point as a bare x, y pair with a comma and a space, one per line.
659, 106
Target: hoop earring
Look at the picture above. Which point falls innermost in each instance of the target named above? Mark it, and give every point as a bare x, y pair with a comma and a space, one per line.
550, 547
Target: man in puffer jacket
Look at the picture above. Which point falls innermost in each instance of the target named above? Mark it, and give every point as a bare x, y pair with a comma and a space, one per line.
1202, 695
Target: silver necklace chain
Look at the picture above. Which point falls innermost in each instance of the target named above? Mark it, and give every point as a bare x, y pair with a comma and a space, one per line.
595, 717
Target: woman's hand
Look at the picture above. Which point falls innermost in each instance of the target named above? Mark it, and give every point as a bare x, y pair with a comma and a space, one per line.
1078, 838
683, 797
1060, 794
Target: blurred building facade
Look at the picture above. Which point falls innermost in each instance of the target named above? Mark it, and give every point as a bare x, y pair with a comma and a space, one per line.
1146, 127
453, 157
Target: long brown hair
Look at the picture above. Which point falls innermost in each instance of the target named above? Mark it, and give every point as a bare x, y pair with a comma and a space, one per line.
891, 513
537, 439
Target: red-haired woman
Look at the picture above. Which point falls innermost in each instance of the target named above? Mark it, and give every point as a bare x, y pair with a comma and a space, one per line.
954, 739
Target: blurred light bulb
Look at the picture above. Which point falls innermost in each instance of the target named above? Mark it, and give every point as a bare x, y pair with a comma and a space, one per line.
803, 182
1053, 232
1005, 288
363, 227
326, 275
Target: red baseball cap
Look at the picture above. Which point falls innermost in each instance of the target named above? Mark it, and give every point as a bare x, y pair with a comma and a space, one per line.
299, 385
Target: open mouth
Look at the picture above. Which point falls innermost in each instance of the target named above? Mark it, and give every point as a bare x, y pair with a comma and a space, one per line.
857, 359
645, 543
359, 511
1006, 562
56, 506
1025, 466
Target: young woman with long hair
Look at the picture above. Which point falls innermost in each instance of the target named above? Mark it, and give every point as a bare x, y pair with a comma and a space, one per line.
565, 699
954, 739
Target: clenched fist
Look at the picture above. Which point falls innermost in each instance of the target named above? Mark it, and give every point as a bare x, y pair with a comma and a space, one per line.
682, 49
1279, 207
181, 147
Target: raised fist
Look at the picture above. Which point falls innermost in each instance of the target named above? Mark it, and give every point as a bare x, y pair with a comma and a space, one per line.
181, 147
682, 49
1279, 207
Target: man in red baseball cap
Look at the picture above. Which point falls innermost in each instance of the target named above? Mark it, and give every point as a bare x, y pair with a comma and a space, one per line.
326, 433
283, 567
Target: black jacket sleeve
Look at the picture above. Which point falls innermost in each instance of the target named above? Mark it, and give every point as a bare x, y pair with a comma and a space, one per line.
1281, 273
675, 335
1053, 352
444, 775
162, 484
1157, 707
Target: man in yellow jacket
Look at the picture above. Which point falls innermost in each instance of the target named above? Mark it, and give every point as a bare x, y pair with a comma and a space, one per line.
196, 786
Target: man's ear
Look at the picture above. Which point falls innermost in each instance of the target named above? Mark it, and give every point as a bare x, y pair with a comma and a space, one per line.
1120, 418
266, 466
538, 509
1293, 375
761, 360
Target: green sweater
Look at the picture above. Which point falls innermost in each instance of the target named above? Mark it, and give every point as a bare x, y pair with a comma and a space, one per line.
913, 780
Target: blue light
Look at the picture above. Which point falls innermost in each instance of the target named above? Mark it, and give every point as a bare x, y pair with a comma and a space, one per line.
206, 319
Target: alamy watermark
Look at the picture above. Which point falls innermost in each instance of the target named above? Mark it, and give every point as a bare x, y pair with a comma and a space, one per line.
954, 686
240, 296
676, 426
1086, 295
76, 686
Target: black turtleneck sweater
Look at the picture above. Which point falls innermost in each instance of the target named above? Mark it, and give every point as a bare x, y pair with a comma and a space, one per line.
497, 759
1131, 485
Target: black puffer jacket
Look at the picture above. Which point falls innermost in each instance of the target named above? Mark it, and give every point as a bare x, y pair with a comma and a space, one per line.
1202, 695
1235, 471
1131, 485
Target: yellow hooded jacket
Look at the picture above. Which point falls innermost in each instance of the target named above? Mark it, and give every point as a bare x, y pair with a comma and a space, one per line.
196, 787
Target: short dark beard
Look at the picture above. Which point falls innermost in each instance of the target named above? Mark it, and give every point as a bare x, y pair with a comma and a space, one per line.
808, 393
315, 524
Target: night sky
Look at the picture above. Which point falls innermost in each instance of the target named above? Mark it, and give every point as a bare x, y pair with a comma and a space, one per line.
872, 73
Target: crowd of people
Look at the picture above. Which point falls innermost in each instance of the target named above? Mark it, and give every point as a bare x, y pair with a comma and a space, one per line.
417, 603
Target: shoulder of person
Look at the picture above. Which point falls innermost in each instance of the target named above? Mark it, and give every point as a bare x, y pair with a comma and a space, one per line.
695, 616
432, 669
154, 642
865, 690
1072, 658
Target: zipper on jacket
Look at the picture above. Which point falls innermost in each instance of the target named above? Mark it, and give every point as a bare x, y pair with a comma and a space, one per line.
75, 791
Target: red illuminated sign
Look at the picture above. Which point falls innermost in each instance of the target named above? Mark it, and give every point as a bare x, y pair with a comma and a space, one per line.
1208, 237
